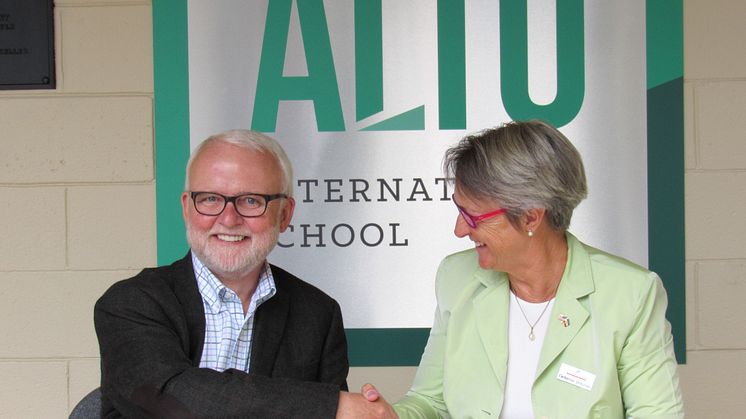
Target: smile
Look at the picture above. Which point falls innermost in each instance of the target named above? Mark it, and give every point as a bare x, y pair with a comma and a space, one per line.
230, 238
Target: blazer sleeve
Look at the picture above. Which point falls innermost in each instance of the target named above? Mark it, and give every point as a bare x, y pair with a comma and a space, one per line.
647, 364
425, 398
334, 365
147, 370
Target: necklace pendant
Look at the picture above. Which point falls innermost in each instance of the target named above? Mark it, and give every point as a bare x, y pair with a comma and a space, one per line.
531, 335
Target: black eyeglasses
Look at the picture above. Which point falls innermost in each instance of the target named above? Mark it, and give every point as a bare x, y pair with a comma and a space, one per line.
247, 205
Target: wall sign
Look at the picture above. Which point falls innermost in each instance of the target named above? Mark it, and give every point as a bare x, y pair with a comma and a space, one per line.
365, 99
27, 44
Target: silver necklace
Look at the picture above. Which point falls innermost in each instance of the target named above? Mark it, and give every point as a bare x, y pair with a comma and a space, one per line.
531, 335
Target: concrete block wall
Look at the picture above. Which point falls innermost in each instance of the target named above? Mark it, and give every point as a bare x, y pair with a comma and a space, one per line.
77, 198
714, 379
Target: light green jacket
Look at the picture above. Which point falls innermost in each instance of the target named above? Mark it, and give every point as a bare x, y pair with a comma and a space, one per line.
617, 331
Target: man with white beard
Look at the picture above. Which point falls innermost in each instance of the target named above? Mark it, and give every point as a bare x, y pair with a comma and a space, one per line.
221, 332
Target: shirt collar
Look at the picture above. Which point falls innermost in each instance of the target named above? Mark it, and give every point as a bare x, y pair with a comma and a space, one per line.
213, 290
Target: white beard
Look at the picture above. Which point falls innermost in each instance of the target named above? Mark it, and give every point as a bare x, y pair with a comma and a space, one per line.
236, 261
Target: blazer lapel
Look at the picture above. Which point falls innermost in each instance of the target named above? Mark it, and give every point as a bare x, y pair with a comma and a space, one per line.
491, 309
269, 326
185, 288
576, 283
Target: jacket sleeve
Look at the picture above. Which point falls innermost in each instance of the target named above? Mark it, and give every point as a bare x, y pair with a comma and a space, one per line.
147, 371
647, 364
425, 399
334, 365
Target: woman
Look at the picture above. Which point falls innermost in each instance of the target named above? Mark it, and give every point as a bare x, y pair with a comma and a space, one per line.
532, 322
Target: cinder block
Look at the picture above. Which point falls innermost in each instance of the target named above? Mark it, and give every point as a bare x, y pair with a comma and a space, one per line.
721, 288
112, 227
713, 382
107, 48
33, 389
713, 35
33, 228
76, 139
721, 122
84, 376
715, 210
60, 322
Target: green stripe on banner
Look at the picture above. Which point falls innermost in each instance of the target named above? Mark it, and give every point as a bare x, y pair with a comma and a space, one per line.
665, 44
171, 84
386, 347
666, 201
665, 102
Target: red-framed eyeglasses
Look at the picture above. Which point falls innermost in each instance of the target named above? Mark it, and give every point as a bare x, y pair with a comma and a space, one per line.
472, 220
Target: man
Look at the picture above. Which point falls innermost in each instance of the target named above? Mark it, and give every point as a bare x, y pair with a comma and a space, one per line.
221, 332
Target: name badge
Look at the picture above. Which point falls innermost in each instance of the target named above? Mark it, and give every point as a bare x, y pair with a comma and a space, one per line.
576, 376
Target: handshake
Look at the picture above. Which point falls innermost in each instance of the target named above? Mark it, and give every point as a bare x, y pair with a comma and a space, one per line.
367, 404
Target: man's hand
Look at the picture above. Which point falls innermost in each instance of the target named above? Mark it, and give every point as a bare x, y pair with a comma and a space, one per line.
368, 404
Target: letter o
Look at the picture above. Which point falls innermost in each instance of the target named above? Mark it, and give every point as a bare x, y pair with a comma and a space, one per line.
334, 235
380, 234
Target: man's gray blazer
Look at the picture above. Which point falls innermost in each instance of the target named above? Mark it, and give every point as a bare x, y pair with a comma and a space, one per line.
151, 331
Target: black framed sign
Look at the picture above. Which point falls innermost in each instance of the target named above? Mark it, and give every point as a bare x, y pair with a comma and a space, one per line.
27, 44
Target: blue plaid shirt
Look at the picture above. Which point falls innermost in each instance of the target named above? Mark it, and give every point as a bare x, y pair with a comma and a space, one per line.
227, 330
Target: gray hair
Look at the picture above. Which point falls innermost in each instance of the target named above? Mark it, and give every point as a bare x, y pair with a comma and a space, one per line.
249, 140
521, 165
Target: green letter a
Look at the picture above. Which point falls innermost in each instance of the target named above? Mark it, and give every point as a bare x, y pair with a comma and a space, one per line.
320, 85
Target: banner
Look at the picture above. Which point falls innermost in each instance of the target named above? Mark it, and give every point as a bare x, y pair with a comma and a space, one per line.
366, 95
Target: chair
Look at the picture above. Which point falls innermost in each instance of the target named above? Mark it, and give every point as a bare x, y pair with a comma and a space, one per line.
88, 407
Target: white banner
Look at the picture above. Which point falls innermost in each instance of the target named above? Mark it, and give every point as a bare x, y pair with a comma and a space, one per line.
374, 216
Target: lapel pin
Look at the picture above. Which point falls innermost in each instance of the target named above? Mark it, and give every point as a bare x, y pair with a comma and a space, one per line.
565, 320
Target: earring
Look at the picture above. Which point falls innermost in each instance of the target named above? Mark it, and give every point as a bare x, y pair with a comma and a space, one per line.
530, 233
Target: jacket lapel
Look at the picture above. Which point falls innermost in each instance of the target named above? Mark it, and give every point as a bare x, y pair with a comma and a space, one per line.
269, 326
576, 283
491, 311
184, 285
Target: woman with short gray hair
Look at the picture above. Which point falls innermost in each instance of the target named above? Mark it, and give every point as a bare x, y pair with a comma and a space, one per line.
531, 322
